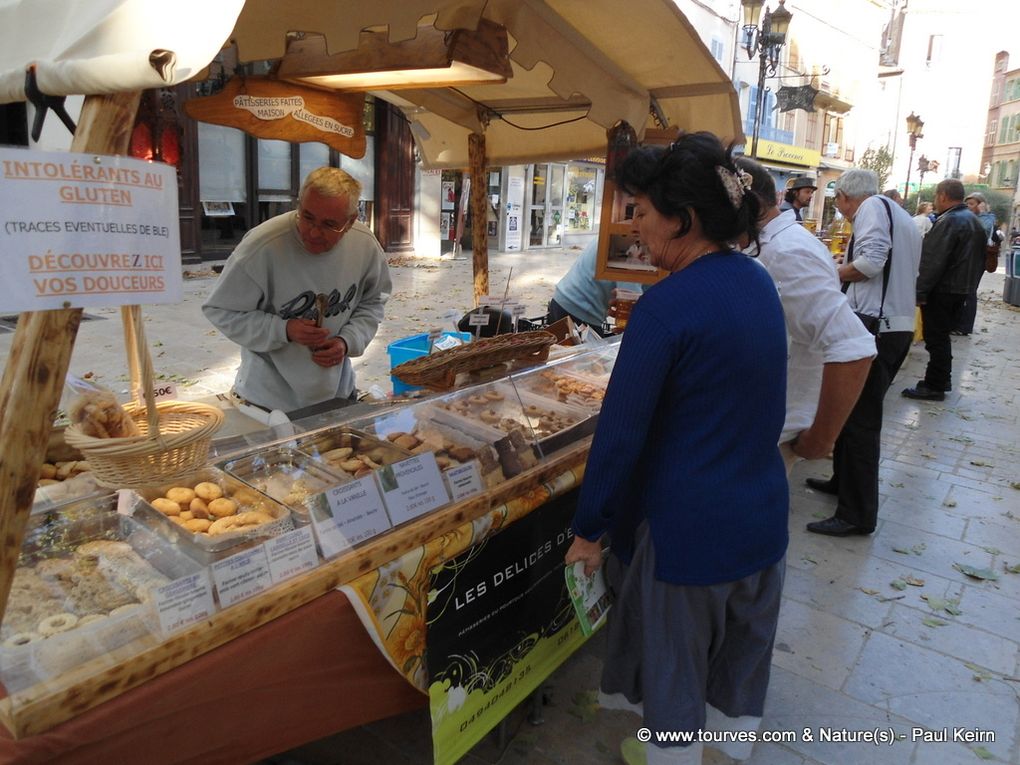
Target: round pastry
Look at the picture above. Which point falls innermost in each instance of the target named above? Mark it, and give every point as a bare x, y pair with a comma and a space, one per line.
406, 441
489, 415
208, 490
198, 525
494, 395
166, 506
352, 466
186, 516
51, 625
533, 411
48, 470
177, 519
198, 508
22, 638
181, 495
222, 507
478, 400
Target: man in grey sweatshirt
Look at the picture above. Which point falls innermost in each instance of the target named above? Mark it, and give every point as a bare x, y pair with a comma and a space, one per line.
265, 300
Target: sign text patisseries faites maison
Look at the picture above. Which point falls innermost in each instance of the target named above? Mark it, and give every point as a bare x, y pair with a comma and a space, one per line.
286, 111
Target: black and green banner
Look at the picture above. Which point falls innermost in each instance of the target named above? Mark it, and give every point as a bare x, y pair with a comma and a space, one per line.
499, 622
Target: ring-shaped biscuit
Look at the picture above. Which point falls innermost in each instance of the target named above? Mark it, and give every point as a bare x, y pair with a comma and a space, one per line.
22, 638
494, 395
51, 625
478, 400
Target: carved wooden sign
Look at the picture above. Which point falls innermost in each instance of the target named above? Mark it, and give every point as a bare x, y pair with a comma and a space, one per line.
286, 111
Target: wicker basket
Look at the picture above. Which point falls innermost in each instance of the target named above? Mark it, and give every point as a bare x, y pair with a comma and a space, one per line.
175, 435
439, 370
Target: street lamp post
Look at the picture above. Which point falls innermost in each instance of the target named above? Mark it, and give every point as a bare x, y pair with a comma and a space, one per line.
767, 40
914, 126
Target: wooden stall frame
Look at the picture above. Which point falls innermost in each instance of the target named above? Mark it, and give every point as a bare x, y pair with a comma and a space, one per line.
33, 378
36, 709
614, 222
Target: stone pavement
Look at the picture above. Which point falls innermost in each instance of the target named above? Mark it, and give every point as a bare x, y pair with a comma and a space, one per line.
880, 632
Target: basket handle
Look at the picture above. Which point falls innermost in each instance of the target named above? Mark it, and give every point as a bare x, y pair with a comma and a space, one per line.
140, 364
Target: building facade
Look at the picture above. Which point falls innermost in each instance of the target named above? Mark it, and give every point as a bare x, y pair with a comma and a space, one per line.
1000, 156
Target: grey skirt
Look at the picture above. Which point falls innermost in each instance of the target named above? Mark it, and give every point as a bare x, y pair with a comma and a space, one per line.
675, 648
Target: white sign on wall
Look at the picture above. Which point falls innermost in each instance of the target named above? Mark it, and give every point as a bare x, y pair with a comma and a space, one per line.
514, 212
79, 231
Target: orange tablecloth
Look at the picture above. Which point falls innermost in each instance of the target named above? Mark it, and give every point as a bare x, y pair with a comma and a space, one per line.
305, 675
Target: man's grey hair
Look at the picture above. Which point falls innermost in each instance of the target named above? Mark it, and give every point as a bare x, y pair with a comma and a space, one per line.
857, 184
333, 182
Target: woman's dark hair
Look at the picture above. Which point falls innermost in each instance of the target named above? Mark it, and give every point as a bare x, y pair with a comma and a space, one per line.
682, 177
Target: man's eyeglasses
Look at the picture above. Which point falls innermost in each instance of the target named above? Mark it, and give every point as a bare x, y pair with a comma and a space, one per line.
325, 225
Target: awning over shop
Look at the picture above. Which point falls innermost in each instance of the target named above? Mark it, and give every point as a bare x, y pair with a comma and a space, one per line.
578, 67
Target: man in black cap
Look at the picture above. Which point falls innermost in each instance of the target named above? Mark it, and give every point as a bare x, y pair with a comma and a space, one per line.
798, 196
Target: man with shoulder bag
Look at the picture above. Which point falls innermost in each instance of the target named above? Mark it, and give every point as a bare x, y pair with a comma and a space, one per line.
879, 275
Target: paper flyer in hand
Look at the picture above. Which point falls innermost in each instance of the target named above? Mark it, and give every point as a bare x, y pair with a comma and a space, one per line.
589, 595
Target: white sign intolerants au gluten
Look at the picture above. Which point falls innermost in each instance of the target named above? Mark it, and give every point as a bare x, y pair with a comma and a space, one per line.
80, 231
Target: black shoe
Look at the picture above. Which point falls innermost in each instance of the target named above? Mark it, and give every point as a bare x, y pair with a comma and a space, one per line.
825, 486
960, 333
835, 527
922, 392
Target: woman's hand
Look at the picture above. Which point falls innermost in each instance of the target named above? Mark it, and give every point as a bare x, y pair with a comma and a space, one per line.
589, 552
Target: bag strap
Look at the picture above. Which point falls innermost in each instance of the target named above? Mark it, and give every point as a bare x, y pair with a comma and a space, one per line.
888, 259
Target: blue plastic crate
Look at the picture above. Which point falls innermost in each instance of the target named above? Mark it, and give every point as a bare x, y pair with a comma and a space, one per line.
412, 347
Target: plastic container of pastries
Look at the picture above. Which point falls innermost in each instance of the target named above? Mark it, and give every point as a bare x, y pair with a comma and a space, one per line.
351, 453
413, 430
83, 588
288, 476
558, 384
212, 514
501, 407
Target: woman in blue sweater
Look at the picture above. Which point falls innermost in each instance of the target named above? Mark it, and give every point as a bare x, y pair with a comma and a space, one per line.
684, 475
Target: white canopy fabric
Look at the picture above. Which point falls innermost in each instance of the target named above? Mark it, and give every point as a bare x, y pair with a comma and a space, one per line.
579, 65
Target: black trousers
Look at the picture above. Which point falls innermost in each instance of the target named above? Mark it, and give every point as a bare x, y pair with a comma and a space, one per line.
858, 448
968, 313
939, 316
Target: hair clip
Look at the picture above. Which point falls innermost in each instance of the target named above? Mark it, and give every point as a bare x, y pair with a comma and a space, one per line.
735, 183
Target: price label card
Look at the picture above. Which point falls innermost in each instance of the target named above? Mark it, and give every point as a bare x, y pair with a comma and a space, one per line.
464, 480
241, 576
478, 319
291, 554
412, 487
518, 310
184, 602
346, 515
164, 391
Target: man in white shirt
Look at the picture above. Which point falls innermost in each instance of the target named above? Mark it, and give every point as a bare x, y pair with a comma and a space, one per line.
880, 272
830, 351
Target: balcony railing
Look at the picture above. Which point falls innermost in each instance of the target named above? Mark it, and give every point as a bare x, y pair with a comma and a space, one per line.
768, 133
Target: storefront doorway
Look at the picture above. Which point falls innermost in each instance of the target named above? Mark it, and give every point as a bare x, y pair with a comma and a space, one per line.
545, 206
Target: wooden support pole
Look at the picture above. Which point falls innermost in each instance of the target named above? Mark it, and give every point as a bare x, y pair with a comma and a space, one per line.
479, 215
33, 378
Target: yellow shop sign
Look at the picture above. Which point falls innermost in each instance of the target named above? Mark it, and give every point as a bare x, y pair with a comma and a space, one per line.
784, 152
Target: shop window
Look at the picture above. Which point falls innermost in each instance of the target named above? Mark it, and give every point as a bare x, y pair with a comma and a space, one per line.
582, 182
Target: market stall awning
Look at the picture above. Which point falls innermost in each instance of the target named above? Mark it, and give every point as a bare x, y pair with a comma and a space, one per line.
578, 67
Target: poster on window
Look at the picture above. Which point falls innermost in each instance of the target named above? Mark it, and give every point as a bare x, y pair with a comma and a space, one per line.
445, 225
449, 196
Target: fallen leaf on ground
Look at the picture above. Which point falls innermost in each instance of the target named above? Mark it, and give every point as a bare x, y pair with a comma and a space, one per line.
901, 550
976, 573
898, 584
983, 753
913, 581
931, 621
949, 503
868, 591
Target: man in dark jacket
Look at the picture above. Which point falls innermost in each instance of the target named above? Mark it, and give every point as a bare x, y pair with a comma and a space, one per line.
952, 260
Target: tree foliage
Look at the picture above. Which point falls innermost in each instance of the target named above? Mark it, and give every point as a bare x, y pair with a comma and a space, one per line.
880, 161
